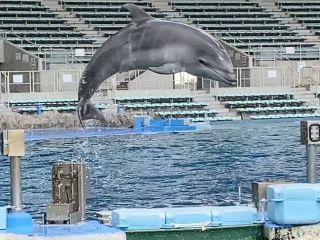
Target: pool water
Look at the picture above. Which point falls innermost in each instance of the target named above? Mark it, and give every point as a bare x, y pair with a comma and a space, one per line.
162, 170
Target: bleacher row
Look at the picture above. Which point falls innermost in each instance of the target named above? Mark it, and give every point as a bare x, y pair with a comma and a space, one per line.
167, 107
306, 12
243, 24
38, 29
106, 16
35, 28
36, 106
267, 105
248, 106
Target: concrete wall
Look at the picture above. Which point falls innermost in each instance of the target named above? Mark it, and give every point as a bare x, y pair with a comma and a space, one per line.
13, 58
245, 90
17, 59
39, 96
153, 92
238, 58
67, 67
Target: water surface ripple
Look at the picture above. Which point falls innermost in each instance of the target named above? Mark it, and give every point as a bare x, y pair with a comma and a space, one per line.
166, 169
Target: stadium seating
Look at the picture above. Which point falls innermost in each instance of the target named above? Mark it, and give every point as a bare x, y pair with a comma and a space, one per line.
253, 96
48, 103
263, 103
168, 107
279, 116
34, 106
306, 12
188, 114
32, 26
266, 105
243, 24
212, 3
106, 16
103, 3
151, 99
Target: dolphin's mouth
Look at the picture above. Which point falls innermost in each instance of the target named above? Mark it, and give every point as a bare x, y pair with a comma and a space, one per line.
227, 77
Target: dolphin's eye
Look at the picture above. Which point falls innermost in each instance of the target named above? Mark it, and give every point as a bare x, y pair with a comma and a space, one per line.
202, 62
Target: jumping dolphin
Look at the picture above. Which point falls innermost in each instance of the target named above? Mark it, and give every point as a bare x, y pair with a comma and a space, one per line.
163, 47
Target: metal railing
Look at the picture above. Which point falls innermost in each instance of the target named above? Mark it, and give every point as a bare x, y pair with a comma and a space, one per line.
265, 77
30, 84
310, 76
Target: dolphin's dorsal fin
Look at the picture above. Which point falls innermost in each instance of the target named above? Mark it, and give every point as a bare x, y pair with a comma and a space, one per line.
137, 14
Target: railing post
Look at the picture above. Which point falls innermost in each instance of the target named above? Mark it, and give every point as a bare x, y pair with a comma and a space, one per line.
311, 164
30, 82
15, 182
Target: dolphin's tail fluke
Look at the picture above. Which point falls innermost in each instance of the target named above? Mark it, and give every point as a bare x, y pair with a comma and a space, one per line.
87, 110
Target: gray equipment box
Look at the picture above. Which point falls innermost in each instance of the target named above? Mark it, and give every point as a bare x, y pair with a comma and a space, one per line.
70, 184
259, 191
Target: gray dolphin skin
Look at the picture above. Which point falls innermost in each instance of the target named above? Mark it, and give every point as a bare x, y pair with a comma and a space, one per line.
163, 47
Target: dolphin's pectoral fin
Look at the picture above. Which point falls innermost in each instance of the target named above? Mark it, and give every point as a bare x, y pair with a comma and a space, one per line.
168, 68
89, 111
137, 14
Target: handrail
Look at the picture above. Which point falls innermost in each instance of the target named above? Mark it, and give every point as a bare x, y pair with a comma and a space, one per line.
66, 81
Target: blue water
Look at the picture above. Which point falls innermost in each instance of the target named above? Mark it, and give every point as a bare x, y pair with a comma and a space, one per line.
166, 169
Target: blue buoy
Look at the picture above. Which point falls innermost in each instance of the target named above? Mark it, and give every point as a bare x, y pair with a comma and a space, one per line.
19, 222
139, 122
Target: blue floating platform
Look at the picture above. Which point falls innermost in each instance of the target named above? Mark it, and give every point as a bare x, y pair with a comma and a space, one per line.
143, 125
3, 218
83, 231
185, 217
19, 222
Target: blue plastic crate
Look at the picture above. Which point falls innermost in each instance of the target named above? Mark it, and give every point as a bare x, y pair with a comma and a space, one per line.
192, 216
177, 122
294, 203
138, 218
3, 218
235, 216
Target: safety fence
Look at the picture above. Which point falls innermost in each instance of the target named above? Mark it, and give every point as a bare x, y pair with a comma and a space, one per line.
30, 84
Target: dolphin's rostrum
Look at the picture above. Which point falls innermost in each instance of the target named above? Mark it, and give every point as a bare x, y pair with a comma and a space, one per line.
163, 47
